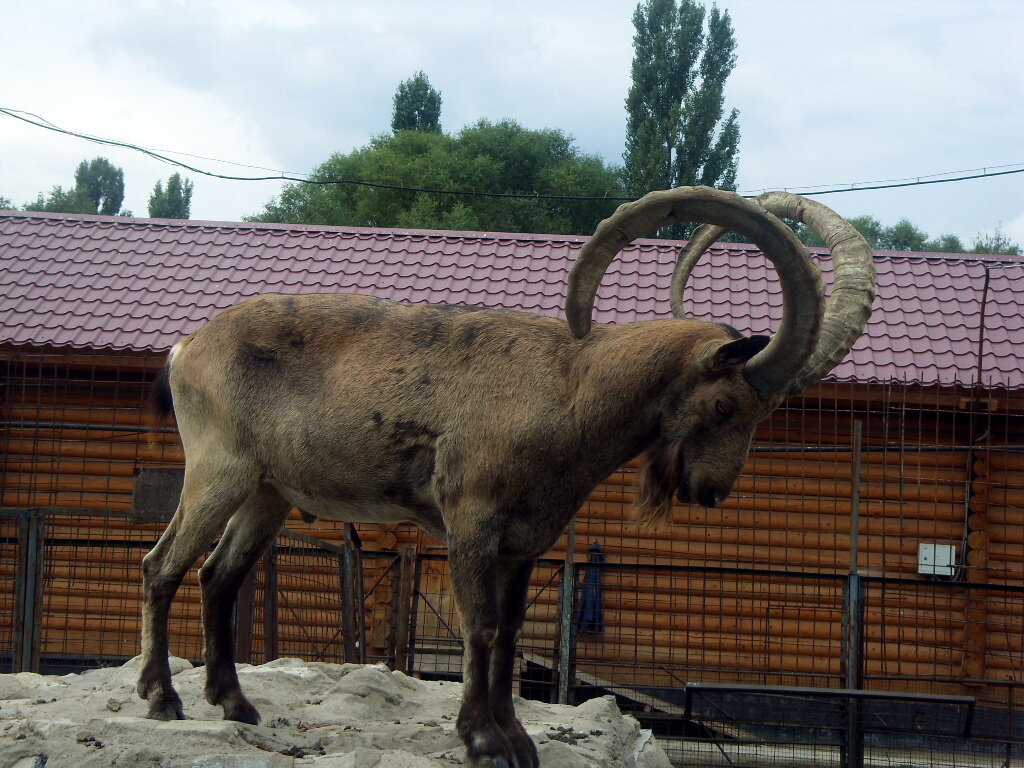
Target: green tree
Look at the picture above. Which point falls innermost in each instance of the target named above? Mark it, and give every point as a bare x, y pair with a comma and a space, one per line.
945, 244
175, 202
99, 188
996, 242
489, 157
60, 200
6, 204
906, 236
417, 106
675, 134
102, 183
903, 236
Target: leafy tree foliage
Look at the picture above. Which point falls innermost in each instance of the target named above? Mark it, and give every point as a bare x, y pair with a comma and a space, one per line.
996, 242
99, 188
675, 134
60, 200
417, 106
502, 156
175, 202
906, 236
103, 184
6, 204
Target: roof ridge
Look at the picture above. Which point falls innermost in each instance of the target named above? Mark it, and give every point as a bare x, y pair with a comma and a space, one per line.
451, 235
286, 226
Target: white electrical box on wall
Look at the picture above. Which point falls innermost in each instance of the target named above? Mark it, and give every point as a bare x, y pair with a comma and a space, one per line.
936, 559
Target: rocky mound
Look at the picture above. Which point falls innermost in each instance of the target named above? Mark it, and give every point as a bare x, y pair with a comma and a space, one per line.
314, 714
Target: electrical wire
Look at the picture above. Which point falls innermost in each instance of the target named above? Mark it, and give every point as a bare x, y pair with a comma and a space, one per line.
809, 191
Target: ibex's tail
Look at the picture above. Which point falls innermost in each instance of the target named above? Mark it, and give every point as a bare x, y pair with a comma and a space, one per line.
160, 395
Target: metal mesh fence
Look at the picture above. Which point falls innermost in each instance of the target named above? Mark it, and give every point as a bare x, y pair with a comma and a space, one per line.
438, 641
755, 593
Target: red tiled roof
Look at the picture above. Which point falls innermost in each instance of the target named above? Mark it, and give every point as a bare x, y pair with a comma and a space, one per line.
94, 282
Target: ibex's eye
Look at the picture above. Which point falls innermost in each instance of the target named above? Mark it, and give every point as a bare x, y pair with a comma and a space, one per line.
723, 408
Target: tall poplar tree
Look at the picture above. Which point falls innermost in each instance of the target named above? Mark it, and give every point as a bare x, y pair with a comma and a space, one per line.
417, 106
99, 188
675, 134
175, 202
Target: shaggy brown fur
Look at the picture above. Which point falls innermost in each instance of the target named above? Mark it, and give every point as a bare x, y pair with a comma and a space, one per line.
488, 429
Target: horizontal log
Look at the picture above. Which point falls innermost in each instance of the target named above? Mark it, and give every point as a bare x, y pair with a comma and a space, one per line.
821, 522
166, 450
996, 476
1005, 496
656, 551
903, 456
815, 506
805, 617
783, 626
796, 541
783, 657
808, 487
69, 467
48, 482
1004, 460
94, 416
1006, 535
43, 432
999, 515
79, 500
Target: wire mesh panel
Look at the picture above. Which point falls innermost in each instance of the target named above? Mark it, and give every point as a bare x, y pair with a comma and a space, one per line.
307, 603
438, 641
8, 589
667, 626
92, 592
748, 593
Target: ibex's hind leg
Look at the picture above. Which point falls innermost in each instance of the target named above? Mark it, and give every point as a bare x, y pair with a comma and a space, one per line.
210, 496
513, 588
474, 568
248, 534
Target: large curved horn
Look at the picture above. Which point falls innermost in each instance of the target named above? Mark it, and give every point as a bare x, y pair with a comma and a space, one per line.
853, 278
797, 337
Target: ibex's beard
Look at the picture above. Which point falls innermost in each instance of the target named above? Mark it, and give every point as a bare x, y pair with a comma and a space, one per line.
660, 478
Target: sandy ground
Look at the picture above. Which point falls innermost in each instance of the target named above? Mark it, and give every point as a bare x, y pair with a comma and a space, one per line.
322, 715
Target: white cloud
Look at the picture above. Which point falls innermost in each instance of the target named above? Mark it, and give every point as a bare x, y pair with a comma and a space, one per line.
829, 93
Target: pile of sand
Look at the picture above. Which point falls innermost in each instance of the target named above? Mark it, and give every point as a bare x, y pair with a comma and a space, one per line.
314, 714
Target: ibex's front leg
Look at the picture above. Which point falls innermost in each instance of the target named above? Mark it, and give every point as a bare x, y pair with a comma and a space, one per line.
474, 568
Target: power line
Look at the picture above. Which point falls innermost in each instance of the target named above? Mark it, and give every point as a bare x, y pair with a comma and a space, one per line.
809, 191
854, 186
281, 176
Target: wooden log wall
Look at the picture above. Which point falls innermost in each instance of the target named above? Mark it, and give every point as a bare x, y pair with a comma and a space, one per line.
75, 431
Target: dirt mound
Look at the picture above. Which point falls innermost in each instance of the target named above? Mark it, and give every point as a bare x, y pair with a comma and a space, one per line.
314, 714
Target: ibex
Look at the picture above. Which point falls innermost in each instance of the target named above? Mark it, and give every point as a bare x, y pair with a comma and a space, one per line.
487, 428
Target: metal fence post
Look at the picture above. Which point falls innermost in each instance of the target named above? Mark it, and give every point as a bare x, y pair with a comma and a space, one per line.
853, 617
351, 597
566, 613
270, 635
853, 661
28, 598
402, 631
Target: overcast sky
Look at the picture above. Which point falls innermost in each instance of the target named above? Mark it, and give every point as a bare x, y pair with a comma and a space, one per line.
830, 92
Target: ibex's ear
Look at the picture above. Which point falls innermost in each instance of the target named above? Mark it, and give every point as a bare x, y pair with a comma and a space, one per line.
738, 352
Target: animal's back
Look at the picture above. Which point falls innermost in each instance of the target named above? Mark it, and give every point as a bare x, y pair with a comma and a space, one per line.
352, 401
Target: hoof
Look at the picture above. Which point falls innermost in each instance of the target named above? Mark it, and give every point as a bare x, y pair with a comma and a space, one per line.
167, 707
488, 747
239, 709
524, 748
492, 762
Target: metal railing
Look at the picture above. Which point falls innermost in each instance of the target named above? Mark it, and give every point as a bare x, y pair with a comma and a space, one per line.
696, 653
